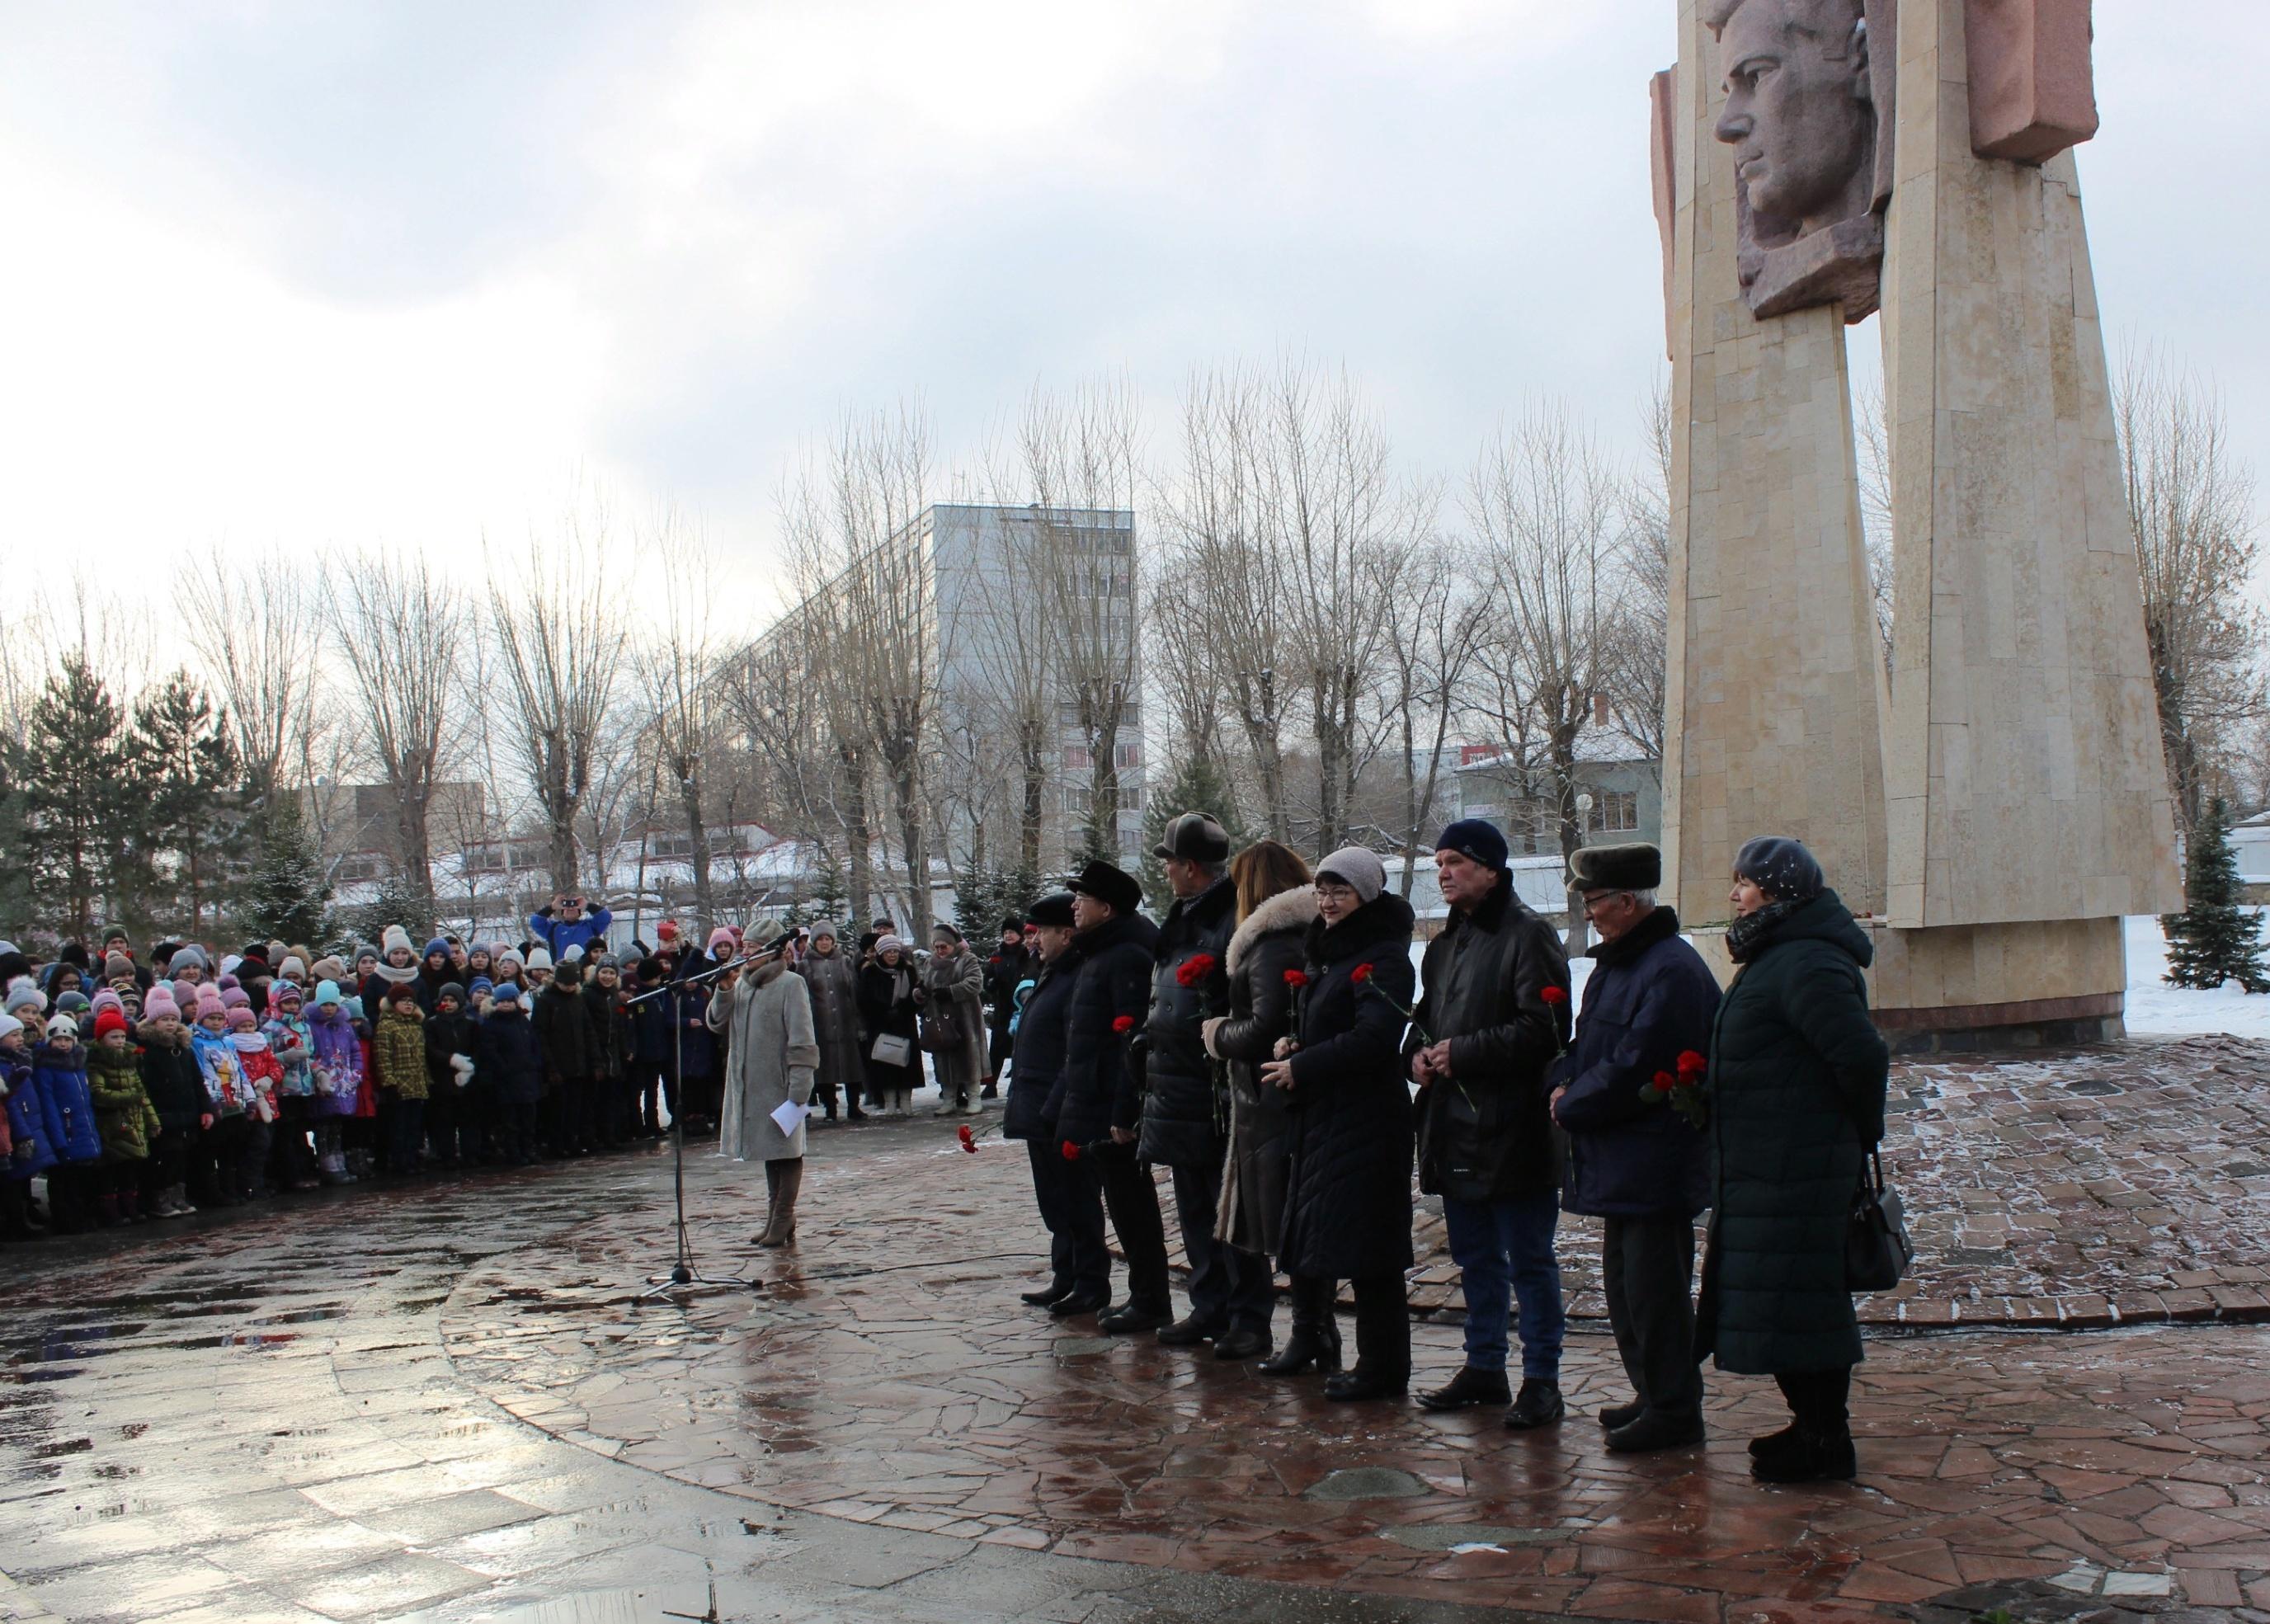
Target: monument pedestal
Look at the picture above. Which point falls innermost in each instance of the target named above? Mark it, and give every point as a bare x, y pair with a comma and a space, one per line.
1957, 989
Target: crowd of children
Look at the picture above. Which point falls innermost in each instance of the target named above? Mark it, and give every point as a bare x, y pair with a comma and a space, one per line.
145, 1088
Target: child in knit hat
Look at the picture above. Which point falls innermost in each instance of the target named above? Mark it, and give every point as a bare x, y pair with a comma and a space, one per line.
123, 1115
59, 1078
338, 1066
23, 1135
292, 1160
398, 1051
175, 1086
219, 1147
261, 1073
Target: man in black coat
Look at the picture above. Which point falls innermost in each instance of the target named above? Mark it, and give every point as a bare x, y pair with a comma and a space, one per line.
1494, 1015
1636, 1162
1071, 1203
1096, 1104
1004, 970
1185, 1102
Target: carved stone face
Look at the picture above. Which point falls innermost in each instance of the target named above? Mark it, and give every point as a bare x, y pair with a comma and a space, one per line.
1799, 113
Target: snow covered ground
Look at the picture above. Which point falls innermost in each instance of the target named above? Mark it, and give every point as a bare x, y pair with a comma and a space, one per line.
2155, 1008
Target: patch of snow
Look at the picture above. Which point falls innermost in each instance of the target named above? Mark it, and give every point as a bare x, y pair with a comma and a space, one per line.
2158, 1010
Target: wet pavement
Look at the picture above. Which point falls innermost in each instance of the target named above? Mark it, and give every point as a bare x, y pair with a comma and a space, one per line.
445, 1401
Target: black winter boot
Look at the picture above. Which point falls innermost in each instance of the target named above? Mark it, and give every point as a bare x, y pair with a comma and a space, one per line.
1316, 1338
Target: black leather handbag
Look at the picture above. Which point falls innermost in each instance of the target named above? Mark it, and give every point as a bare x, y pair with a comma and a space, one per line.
1877, 1251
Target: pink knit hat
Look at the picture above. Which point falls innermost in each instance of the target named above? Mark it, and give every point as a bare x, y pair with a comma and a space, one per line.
107, 999
159, 1005
722, 943
235, 997
242, 1019
185, 993
209, 1003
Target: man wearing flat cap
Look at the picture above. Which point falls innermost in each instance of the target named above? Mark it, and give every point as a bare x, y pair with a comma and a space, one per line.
1494, 1015
1634, 1162
1094, 1105
1185, 1123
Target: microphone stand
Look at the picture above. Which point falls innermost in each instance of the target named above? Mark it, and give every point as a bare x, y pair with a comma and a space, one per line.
683, 1274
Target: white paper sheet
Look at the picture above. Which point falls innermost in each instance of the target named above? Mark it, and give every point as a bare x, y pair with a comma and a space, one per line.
789, 1115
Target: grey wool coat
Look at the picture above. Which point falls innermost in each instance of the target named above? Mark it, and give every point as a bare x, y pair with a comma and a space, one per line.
771, 1053
834, 983
960, 981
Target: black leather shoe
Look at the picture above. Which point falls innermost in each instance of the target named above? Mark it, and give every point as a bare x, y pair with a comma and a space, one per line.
1810, 1458
1241, 1344
1188, 1333
1359, 1386
1129, 1319
1056, 1292
1467, 1389
1615, 1415
1080, 1302
1773, 1442
1654, 1430
1538, 1405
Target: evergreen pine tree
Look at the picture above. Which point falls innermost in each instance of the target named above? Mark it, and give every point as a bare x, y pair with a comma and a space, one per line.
77, 795
1199, 785
193, 820
2215, 940
286, 896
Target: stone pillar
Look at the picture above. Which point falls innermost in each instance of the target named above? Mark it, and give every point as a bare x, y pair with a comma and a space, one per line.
1775, 685
2028, 805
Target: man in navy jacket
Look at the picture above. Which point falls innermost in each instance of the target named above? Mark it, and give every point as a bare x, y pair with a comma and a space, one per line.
1634, 1159
563, 923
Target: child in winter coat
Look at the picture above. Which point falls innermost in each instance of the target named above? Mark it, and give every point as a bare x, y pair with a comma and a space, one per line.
124, 1116
293, 1163
398, 1064
59, 1075
175, 1086
506, 1058
261, 1073
26, 1130
615, 1103
220, 1147
450, 1122
336, 1066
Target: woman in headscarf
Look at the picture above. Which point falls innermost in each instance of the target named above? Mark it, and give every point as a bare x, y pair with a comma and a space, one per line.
887, 1009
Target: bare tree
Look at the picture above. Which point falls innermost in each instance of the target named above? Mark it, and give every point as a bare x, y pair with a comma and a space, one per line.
257, 627
683, 696
401, 629
1232, 622
1080, 453
1874, 447
1438, 617
559, 633
803, 733
870, 596
1547, 504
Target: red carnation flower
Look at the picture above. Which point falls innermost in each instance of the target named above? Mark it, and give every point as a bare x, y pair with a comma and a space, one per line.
1691, 1065
1555, 996
1123, 1025
1296, 978
1360, 974
1195, 969
1071, 1151
968, 1139
1665, 1082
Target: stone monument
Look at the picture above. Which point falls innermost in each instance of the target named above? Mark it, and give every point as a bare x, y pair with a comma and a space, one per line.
2000, 802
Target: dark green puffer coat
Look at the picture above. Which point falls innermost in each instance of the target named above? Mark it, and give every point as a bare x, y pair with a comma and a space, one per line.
1796, 1094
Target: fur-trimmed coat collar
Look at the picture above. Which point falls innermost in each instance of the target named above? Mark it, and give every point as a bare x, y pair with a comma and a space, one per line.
1288, 911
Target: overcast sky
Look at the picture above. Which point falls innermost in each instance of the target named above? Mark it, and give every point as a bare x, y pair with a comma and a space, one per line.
354, 275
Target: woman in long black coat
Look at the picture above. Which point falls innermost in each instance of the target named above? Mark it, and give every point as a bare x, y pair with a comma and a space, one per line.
1797, 1100
1276, 905
887, 1009
1348, 1214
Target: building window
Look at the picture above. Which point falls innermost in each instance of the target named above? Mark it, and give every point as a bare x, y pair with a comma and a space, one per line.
1130, 842
1615, 812
1131, 798
1127, 757
1079, 759
358, 867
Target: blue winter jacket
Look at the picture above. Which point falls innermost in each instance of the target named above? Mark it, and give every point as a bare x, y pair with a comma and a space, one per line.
1650, 998
27, 1122
65, 1103
560, 935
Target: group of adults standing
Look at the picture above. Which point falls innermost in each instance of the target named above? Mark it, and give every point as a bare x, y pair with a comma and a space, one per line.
1266, 1044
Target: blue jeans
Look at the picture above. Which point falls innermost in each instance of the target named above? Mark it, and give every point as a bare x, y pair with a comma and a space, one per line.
1504, 1250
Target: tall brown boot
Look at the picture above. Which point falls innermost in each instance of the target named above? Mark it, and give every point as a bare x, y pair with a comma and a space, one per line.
782, 1230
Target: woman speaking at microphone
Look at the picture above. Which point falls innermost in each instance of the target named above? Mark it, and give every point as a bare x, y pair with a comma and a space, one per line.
772, 1061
